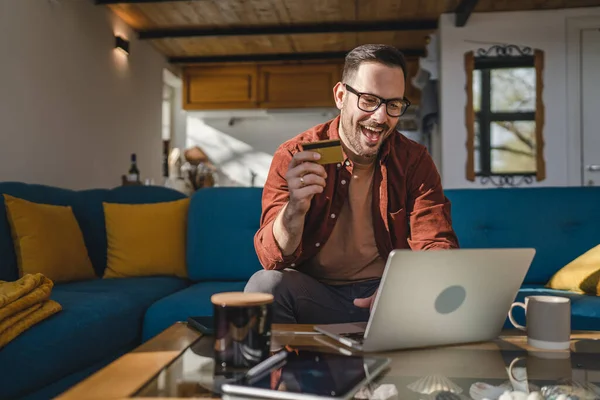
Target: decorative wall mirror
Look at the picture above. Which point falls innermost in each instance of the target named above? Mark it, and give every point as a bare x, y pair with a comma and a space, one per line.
505, 115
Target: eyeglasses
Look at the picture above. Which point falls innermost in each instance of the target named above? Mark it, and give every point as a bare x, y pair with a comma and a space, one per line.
370, 103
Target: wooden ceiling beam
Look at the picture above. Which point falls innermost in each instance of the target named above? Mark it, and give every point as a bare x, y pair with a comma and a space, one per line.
338, 27
463, 12
277, 57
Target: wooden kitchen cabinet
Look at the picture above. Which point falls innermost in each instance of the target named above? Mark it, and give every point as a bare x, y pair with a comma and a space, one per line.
293, 86
220, 87
270, 85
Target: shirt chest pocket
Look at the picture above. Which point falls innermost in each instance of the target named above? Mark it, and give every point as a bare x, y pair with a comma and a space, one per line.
399, 228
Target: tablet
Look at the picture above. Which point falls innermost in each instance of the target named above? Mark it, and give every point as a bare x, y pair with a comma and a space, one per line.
311, 375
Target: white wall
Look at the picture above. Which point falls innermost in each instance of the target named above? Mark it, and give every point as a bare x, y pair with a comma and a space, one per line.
240, 141
72, 108
546, 30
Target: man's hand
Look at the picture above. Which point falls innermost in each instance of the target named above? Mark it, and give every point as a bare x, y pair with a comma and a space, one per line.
366, 302
305, 178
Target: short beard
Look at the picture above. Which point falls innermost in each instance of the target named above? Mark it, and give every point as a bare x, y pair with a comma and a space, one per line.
353, 135
350, 135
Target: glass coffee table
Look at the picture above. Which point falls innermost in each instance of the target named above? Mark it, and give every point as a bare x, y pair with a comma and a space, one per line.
178, 364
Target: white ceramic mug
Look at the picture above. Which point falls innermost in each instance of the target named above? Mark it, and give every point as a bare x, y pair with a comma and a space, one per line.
548, 321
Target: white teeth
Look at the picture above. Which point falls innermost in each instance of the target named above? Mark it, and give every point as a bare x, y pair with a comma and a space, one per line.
373, 129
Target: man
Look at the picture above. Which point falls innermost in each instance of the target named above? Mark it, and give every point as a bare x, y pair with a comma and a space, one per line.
327, 230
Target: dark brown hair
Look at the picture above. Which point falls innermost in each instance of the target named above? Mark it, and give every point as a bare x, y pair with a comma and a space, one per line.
381, 53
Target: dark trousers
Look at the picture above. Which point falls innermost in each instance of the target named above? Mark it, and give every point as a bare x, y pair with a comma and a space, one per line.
301, 299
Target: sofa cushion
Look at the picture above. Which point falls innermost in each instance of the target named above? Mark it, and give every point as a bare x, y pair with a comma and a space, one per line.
146, 239
48, 240
580, 275
585, 309
560, 223
193, 301
99, 318
87, 207
221, 227
130, 195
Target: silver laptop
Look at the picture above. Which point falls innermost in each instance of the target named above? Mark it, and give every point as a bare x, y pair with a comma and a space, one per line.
438, 297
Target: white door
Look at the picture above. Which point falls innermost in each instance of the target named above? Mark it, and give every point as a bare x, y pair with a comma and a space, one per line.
590, 99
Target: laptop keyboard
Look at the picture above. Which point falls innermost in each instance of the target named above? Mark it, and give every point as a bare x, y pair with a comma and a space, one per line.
356, 336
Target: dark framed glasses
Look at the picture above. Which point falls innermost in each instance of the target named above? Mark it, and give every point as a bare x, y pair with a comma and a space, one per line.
370, 103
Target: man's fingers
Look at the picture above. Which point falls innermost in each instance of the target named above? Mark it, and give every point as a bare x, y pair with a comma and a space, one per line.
310, 179
307, 168
363, 303
307, 191
303, 156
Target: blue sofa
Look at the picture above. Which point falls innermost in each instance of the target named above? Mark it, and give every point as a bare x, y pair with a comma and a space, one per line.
561, 223
105, 318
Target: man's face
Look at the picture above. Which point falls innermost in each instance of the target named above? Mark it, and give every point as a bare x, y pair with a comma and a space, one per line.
363, 132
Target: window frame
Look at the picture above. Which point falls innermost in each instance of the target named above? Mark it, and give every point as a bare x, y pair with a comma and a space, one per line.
499, 57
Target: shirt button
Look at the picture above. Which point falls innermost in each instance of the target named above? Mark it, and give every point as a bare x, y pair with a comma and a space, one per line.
317, 244
347, 163
343, 181
339, 165
332, 215
292, 265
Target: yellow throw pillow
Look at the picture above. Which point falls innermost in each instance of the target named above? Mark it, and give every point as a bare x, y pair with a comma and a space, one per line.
48, 240
581, 275
146, 239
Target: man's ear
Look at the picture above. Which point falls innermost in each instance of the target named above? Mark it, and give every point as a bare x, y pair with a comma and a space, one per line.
338, 95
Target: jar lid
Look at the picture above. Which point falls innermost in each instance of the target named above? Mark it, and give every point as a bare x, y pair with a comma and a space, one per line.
241, 299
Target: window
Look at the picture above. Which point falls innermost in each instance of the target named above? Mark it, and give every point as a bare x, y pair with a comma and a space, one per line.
504, 116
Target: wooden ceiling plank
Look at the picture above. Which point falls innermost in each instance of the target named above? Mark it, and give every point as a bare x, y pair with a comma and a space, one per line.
266, 12
231, 13
403, 40
283, 14
283, 17
132, 15
385, 9
178, 14
341, 27
187, 14
337, 10
332, 42
463, 12
247, 14
158, 13
303, 11
208, 11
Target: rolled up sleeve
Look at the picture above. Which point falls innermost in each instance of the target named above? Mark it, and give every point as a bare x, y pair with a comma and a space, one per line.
429, 209
275, 196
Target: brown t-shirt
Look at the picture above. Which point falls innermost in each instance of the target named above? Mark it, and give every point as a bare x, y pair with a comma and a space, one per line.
350, 254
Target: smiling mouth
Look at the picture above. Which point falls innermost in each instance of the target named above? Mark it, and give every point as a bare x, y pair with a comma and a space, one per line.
371, 134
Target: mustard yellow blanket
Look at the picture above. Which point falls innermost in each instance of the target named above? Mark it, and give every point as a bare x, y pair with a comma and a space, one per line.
24, 303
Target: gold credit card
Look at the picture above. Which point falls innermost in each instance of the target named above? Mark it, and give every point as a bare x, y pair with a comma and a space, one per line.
330, 150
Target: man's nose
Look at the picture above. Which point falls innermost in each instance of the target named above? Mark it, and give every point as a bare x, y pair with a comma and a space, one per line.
380, 115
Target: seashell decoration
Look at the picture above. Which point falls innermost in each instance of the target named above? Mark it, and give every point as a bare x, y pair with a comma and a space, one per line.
434, 383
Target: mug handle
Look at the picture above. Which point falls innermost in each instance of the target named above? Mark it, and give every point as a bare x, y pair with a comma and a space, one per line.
512, 320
